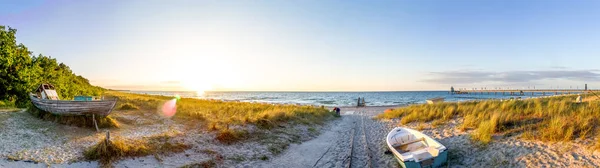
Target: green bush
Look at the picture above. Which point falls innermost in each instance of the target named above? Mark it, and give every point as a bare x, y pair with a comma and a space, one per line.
21, 72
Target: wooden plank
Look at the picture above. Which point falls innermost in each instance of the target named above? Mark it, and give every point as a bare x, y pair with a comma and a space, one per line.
63, 107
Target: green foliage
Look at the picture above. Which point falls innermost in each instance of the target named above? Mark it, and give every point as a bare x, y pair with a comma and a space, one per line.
21, 72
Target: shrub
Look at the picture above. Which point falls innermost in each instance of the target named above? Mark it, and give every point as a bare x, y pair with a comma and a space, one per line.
128, 106
230, 136
108, 151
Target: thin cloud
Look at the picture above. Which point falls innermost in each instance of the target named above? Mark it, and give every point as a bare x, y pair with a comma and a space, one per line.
472, 77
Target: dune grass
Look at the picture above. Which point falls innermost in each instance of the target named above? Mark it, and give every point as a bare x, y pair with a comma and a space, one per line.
546, 119
220, 116
117, 148
127, 106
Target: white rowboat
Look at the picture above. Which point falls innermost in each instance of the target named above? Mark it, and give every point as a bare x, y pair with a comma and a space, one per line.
414, 149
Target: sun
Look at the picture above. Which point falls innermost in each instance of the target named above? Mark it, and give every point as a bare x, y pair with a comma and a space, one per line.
197, 85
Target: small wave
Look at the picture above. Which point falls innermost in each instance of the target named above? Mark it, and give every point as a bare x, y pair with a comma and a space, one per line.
328, 102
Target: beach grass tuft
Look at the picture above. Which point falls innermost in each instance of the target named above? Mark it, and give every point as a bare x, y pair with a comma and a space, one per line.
116, 148
552, 119
128, 106
229, 136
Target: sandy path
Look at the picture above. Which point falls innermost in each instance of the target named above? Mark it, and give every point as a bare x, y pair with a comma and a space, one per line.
354, 141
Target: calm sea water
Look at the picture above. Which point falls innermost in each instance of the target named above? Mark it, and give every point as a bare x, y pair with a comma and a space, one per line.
334, 98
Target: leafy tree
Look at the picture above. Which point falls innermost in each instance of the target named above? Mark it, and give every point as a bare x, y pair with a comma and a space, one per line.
21, 72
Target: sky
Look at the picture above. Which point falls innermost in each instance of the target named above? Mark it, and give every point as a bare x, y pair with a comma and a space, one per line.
315, 45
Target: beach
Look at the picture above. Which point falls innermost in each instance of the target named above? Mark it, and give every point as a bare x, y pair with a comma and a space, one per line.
332, 148
29, 142
355, 139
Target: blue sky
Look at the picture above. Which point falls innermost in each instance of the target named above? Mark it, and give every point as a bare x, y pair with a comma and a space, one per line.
315, 45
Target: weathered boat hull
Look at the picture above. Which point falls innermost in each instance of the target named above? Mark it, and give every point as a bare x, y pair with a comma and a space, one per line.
65, 107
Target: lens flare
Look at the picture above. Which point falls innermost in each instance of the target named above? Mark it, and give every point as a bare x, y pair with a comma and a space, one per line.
169, 108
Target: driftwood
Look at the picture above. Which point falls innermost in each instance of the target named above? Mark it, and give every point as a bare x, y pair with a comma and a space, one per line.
107, 140
95, 124
66, 107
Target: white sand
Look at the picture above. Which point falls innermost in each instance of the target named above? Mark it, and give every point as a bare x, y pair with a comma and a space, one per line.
333, 144
32, 140
37, 143
333, 147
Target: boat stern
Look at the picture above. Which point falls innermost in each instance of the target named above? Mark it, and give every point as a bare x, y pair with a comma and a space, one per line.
438, 161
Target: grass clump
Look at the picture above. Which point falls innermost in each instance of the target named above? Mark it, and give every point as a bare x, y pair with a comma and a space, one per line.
546, 119
128, 106
484, 132
436, 123
107, 151
230, 136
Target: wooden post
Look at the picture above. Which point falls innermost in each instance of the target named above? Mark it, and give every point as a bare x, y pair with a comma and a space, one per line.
95, 124
364, 104
107, 137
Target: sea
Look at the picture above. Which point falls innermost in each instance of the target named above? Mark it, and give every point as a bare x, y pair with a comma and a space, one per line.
335, 98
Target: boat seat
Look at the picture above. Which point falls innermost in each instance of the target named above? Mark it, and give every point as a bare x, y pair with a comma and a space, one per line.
408, 143
425, 153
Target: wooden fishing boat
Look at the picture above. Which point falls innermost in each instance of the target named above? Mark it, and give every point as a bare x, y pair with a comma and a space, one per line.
414, 149
46, 99
435, 100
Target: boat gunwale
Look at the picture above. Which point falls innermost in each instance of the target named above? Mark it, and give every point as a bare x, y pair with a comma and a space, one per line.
442, 148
